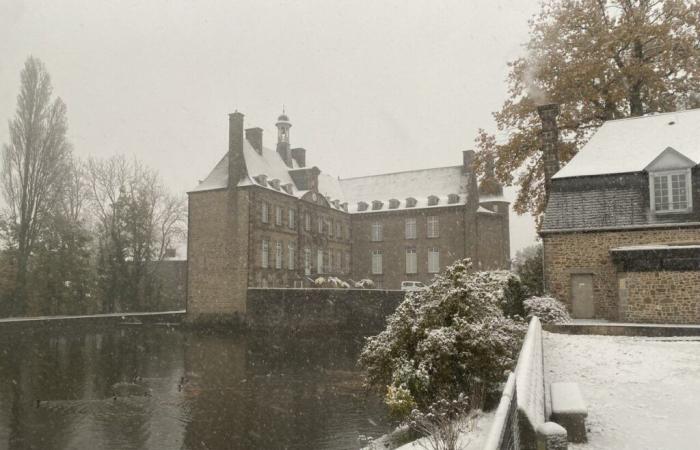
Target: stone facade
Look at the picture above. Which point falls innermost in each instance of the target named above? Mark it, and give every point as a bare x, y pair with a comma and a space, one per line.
666, 297
264, 219
567, 254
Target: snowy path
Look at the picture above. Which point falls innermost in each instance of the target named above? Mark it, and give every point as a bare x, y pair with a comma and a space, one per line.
642, 393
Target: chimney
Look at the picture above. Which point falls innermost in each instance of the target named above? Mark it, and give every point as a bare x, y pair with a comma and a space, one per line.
468, 161
549, 140
299, 155
254, 136
236, 162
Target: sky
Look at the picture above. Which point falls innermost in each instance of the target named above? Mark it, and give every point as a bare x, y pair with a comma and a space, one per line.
369, 86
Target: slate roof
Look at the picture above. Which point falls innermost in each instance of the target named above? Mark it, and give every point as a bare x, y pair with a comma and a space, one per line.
629, 145
418, 184
448, 184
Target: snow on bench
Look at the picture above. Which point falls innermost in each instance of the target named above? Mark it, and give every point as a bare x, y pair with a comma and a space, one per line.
569, 410
529, 380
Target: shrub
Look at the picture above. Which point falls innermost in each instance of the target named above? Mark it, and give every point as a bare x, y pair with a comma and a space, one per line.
330, 282
528, 265
548, 309
365, 283
442, 341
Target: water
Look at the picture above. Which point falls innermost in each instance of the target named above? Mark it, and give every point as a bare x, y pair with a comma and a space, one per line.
156, 388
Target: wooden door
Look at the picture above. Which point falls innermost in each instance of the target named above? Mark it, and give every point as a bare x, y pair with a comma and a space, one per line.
582, 296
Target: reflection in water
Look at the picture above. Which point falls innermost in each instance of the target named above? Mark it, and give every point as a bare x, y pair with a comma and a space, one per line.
155, 388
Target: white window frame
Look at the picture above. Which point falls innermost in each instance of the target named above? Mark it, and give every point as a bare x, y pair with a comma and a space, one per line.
265, 260
291, 255
278, 216
319, 261
321, 222
307, 261
688, 191
338, 230
278, 255
265, 213
307, 222
411, 260
410, 228
377, 232
377, 263
433, 227
433, 260
291, 219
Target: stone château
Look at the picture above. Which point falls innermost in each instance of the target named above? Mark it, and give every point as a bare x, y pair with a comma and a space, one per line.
267, 218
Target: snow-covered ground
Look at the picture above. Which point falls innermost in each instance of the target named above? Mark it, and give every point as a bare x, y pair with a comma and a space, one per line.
642, 393
472, 438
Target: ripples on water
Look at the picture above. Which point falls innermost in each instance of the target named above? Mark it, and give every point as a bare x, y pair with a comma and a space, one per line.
155, 388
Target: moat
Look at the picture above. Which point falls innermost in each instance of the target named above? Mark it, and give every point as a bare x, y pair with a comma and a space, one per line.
149, 387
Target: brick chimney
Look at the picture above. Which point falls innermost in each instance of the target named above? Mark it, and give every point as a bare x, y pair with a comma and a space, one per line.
254, 136
549, 142
236, 161
299, 155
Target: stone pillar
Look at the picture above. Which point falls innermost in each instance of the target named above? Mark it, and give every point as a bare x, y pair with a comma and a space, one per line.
551, 436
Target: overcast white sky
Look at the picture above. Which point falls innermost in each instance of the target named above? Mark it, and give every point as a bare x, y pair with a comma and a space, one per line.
370, 86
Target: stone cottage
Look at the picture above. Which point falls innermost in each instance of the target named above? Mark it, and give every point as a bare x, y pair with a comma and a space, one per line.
621, 229
269, 218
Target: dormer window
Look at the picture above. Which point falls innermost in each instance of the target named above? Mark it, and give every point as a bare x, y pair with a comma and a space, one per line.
670, 191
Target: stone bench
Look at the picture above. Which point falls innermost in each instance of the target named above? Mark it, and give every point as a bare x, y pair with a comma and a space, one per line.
569, 410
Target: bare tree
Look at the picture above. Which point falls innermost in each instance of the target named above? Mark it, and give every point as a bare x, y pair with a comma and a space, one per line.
137, 221
34, 165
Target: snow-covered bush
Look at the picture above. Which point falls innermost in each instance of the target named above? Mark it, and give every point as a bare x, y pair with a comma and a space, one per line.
330, 282
364, 283
548, 309
442, 341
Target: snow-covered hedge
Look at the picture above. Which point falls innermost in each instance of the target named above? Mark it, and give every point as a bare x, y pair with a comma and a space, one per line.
548, 309
364, 283
331, 282
442, 341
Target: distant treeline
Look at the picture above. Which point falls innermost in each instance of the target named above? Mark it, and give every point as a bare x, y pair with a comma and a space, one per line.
77, 236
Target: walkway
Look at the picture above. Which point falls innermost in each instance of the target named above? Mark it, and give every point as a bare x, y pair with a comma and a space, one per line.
642, 392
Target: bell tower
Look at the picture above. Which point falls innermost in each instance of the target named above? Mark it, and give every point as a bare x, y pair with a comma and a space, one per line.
283, 148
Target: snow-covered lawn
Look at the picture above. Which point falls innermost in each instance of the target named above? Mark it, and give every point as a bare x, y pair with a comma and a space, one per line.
642, 392
472, 438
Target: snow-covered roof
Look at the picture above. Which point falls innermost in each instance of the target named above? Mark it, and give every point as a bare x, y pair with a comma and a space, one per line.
630, 145
419, 184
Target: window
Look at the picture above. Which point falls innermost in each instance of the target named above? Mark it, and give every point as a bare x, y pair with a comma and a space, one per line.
347, 262
265, 216
278, 215
433, 227
291, 222
411, 261
434, 260
291, 256
278, 255
330, 261
377, 262
307, 261
307, 222
410, 228
376, 232
338, 261
338, 230
670, 191
265, 254
319, 261
321, 222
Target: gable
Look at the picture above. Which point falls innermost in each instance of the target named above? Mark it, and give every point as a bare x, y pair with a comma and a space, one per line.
670, 159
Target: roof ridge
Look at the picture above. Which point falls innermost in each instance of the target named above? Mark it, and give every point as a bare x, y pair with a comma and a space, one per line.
652, 114
400, 171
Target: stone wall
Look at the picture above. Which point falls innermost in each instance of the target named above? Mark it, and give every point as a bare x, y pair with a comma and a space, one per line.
451, 242
662, 297
589, 253
360, 311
